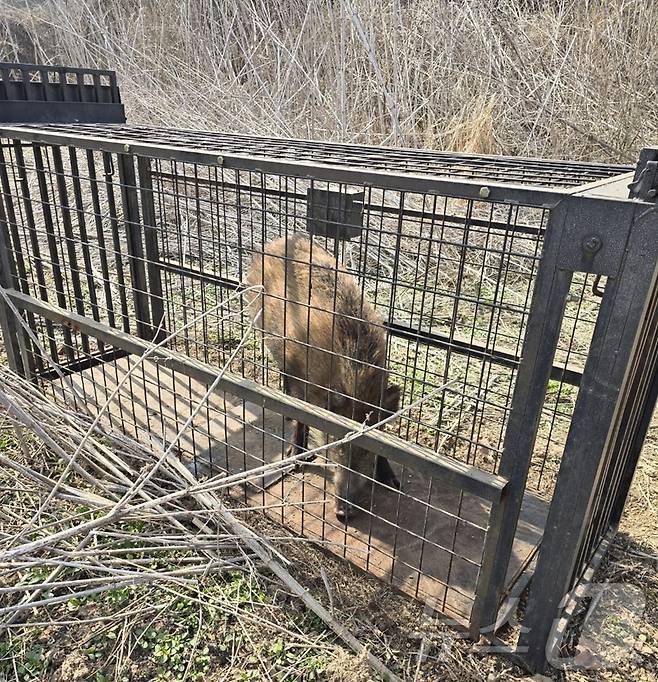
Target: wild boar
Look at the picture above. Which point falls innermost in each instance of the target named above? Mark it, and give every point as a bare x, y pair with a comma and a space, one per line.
330, 345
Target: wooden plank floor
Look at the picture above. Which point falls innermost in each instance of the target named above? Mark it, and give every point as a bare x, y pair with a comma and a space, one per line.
426, 539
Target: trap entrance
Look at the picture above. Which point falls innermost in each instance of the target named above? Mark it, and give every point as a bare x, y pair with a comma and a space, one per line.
426, 539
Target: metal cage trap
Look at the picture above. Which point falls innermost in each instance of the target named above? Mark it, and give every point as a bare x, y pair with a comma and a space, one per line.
511, 301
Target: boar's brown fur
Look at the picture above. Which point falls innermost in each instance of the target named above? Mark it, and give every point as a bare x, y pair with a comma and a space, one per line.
330, 344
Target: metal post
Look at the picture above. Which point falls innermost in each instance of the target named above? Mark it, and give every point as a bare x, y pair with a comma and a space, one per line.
12, 264
152, 249
487, 590
135, 244
543, 331
8, 325
643, 187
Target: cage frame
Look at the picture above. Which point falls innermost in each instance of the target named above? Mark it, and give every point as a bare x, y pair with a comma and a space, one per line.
595, 228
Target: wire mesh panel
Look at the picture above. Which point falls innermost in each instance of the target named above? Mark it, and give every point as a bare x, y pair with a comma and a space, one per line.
427, 541
312, 297
69, 237
451, 280
513, 170
152, 247
622, 449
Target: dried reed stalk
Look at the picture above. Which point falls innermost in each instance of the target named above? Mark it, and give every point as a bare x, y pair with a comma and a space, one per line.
83, 446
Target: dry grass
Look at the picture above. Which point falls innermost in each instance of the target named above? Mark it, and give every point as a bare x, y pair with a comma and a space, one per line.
561, 78
164, 612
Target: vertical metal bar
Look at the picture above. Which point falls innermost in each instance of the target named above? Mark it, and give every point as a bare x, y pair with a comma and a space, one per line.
595, 421
635, 449
114, 87
108, 171
33, 235
100, 236
637, 397
487, 591
82, 228
14, 249
50, 88
543, 331
70, 238
52, 244
134, 244
8, 325
152, 248
12, 223
650, 400
79, 97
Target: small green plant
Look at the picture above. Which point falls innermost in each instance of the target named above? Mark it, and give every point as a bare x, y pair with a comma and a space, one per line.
36, 574
176, 651
7, 441
119, 597
314, 667
240, 590
24, 664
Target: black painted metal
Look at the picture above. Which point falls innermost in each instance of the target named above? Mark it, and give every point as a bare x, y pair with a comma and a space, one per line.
596, 422
488, 486
53, 246
15, 199
551, 289
334, 214
527, 181
635, 450
84, 363
499, 355
635, 413
135, 245
62, 112
511, 170
572, 601
645, 180
151, 247
7, 280
40, 93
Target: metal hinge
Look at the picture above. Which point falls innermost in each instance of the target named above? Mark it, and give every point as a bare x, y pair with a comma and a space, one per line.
645, 182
